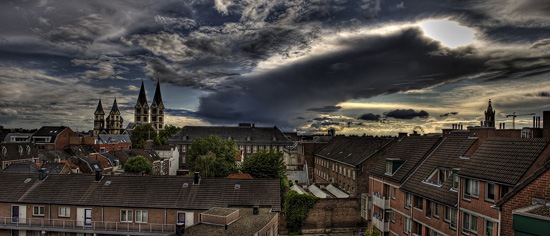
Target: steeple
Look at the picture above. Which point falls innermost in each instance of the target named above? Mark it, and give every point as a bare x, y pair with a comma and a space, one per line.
114, 109
157, 110
99, 109
158, 96
114, 120
489, 116
141, 109
142, 98
99, 119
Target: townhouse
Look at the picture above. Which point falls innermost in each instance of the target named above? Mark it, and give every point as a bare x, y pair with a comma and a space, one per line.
124, 205
11, 153
344, 160
52, 138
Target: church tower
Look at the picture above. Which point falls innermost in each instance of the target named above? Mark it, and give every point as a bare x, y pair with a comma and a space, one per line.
489, 117
157, 110
114, 120
99, 119
141, 109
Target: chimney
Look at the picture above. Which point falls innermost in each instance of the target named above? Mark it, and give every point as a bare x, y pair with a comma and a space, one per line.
546, 124
98, 175
42, 174
401, 135
180, 228
196, 178
256, 210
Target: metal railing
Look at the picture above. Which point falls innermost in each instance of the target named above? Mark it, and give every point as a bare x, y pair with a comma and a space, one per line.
381, 201
81, 226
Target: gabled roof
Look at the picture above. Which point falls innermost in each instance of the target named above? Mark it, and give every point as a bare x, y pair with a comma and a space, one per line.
544, 169
54, 168
446, 156
258, 135
504, 160
21, 168
17, 151
50, 131
352, 150
410, 149
140, 191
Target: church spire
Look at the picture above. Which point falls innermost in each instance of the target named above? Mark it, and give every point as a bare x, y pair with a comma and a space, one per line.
158, 96
142, 98
157, 110
489, 116
99, 109
115, 107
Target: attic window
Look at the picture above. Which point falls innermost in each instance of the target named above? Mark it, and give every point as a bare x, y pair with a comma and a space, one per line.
27, 180
28, 150
274, 139
392, 165
465, 156
185, 185
237, 186
439, 176
248, 138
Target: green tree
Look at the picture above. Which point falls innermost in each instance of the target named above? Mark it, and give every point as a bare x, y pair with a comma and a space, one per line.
138, 164
165, 134
142, 133
203, 149
264, 164
296, 208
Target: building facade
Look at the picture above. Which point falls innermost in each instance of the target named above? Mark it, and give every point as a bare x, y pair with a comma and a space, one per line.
154, 114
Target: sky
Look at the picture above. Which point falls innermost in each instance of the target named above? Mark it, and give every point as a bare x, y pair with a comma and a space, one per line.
359, 67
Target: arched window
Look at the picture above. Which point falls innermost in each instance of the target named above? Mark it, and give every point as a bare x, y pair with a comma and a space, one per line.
4, 152
20, 150
28, 150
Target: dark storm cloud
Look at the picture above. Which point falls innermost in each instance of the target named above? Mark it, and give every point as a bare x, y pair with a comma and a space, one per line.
325, 109
544, 94
181, 112
368, 66
449, 114
369, 117
407, 114
321, 119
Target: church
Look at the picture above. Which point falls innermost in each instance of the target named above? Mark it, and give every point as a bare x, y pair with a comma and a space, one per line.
143, 114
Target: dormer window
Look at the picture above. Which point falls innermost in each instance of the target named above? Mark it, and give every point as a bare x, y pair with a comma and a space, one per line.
20, 150
28, 150
439, 176
248, 138
4, 152
392, 164
274, 139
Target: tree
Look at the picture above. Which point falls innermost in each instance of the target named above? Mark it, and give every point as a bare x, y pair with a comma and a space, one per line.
296, 208
142, 133
165, 134
138, 164
202, 150
264, 164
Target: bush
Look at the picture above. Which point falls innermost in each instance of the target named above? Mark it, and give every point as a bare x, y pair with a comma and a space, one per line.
138, 164
295, 209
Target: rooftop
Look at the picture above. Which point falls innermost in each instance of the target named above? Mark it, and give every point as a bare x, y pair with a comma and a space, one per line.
241, 134
247, 224
352, 150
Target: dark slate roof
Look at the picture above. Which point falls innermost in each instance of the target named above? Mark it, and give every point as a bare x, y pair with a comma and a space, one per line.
17, 151
142, 98
158, 96
410, 149
124, 155
22, 168
51, 131
352, 150
504, 160
445, 156
51, 156
54, 168
258, 135
114, 138
140, 191
99, 109
8, 136
544, 169
81, 150
112, 158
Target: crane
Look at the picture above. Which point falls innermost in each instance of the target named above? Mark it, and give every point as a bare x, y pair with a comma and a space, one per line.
513, 115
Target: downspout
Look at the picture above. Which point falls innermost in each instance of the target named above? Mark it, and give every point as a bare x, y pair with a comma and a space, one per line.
165, 216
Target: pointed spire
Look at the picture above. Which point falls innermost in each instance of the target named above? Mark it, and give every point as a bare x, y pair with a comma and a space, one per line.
99, 109
489, 108
115, 106
158, 97
142, 98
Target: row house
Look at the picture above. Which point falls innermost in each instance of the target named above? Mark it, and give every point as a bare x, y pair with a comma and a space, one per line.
392, 209
124, 205
52, 138
11, 153
496, 167
343, 161
249, 138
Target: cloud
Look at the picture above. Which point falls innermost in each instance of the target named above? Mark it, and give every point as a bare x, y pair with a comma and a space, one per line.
544, 94
87, 30
406, 114
322, 119
325, 109
132, 88
518, 13
369, 117
449, 114
8, 111
175, 23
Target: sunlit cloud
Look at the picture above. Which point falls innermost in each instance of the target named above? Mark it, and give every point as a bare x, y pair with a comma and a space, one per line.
449, 33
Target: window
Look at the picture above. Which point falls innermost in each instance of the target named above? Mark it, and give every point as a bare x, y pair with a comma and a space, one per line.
436, 210
389, 168
141, 216
38, 210
488, 228
471, 188
392, 216
490, 192
454, 216
407, 225
469, 223
455, 181
64, 211
353, 174
407, 200
447, 214
418, 202
393, 190
248, 149
126, 216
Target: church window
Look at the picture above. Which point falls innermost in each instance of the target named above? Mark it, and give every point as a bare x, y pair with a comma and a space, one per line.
28, 150
4, 152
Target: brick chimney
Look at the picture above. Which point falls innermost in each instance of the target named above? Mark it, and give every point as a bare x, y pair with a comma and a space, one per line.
546, 124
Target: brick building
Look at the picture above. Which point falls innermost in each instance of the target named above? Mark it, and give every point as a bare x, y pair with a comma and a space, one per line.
122, 205
17, 152
52, 138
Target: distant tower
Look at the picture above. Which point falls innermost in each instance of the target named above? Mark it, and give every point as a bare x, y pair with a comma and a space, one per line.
157, 110
489, 117
99, 119
114, 120
141, 110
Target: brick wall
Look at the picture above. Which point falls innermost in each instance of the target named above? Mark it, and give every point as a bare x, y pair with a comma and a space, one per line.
63, 139
539, 188
332, 213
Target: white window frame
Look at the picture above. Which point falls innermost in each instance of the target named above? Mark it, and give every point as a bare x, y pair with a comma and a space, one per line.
389, 168
407, 225
38, 210
142, 216
487, 192
129, 215
469, 223
407, 200
486, 233
471, 188
64, 211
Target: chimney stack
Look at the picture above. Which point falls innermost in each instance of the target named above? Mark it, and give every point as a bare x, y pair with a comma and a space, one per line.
180, 229
196, 178
98, 175
546, 124
256, 210
42, 174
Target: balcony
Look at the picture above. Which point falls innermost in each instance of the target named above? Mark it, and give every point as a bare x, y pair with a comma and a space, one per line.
380, 201
380, 223
98, 227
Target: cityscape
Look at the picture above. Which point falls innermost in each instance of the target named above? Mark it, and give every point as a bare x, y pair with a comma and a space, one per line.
282, 117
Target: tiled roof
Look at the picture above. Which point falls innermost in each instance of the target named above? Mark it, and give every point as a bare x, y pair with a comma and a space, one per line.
54, 168
8, 136
446, 156
545, 168
410, 149
22, 168
504, 160
51, 131
247, 224
140, 191
113, 138
257, 135
352, 150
